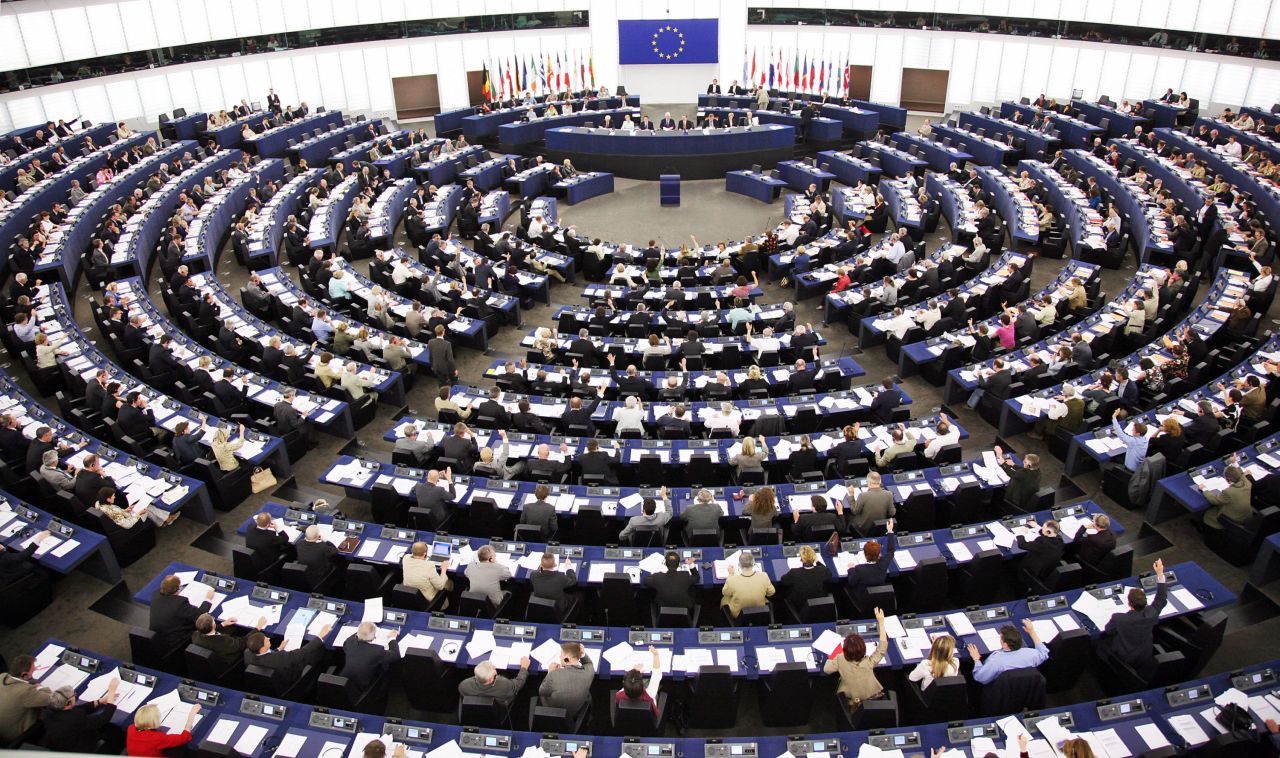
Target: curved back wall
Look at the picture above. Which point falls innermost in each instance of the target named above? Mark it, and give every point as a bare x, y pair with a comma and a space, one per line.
984, 68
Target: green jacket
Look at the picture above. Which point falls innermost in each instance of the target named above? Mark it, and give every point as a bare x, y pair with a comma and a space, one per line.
1023, 485
1235, 502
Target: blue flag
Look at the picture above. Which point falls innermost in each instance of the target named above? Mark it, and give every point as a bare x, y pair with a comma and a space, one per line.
680, 40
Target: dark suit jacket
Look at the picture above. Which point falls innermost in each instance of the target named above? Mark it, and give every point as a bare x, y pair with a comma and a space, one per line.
288, 664
365, 661
1042, 555
433, 498
1128, 636
266, 543
599, 464
803, 584
541, 514
75, 730
672, 589
227, 648
883, 404
551, 585
136, 422
173, 619
1092, 548
868, 575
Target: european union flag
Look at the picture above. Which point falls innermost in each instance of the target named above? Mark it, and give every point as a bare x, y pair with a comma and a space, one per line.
672, 40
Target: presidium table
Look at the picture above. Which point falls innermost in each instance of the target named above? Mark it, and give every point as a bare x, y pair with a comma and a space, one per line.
694, 154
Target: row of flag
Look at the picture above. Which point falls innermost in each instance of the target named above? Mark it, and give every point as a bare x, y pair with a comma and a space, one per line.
512, 76
796, 71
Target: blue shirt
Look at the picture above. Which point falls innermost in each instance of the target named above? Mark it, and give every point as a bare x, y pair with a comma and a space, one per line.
1135, 446
1007, 660
321, 329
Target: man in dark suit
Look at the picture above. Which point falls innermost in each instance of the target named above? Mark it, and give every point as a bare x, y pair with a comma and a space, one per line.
440, 352
1093, 548
494, 410
802, 378
434, 495
461, 446
673, 588
995, 382
579, 415
161, 362
288, 665
540, 513
886, 401
596, 462
630, 383
172, 617
544, 466
266, 543
134, 336
1128, 636
316, 554
584, 347
1204, 426
550, 583
714, 87
41, 445
90, 480
226, 391
366, 660
135, 419
527, 421
289, 419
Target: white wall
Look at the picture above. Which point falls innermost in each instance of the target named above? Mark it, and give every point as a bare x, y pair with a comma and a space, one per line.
988, 68
984, 68
354, 78
40, 32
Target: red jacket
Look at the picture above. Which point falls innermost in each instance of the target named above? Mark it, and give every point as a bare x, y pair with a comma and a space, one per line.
151, 742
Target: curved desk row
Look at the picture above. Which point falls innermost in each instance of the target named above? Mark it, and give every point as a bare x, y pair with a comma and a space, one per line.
82, 360
1092, 447
703, 154
1148, 721
1013, 205
267, 231
511, 136
137, 242
64, 253
475, 124
914, 355
1038, 144
73, 147
558, 377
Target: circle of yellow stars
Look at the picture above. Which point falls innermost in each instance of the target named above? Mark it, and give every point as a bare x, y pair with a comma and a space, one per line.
658, 51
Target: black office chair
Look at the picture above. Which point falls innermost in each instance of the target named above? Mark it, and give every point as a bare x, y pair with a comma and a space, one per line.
618, 601
203, 666
786, 695
945, 699
420, 665
478, 605
483, 712
637, 717
713, 698
1014, 691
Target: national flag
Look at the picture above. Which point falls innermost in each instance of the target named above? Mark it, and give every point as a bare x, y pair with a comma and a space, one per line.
813, 74
744, 63
564, 70
822, 76
487, 88
794, 82
582, 71
770, 78
591, 67
524, 74
753, 66
804, 72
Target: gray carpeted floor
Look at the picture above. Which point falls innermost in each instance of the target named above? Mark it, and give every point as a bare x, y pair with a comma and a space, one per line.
630, 214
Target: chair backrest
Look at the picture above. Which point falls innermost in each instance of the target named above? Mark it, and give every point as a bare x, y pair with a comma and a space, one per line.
481, 711
542, 611
634, 717
1013, 691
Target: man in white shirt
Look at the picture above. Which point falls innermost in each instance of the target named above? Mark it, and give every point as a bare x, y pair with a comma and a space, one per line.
727, 417
929, 315
1232, 148
900, 323
948, 434
789, 233
535, 227
1046, 313
401, 272
765, 343
630, 416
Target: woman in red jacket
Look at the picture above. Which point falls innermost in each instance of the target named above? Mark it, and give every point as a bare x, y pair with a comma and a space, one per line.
144, 737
